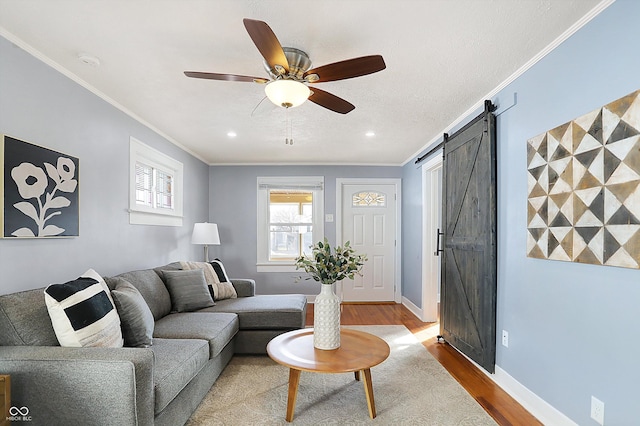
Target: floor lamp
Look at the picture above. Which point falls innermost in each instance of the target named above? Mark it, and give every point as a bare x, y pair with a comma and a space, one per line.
206, 234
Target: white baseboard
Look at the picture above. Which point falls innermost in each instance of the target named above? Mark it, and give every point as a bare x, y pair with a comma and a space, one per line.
413, 308
537, 406
406, 302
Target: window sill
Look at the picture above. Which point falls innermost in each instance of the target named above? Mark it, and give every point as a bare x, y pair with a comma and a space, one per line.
148, 218
276, 267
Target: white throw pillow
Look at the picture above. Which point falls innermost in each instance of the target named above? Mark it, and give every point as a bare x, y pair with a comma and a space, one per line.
82, 312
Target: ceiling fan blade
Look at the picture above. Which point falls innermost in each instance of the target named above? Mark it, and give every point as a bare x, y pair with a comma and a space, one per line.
329, 101
350, 68
225, 77
267, 43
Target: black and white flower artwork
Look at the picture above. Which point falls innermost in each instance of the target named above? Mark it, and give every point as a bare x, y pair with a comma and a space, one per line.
40, 191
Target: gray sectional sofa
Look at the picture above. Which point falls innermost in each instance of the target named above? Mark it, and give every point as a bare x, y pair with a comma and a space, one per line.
160, 385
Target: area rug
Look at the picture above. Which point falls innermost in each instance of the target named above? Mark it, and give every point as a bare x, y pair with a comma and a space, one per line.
410, 388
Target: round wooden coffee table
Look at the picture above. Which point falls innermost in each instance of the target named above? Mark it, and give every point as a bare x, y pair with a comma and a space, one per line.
358, 352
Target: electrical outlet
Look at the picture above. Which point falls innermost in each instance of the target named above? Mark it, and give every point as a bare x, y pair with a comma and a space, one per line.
597, 410
505, 338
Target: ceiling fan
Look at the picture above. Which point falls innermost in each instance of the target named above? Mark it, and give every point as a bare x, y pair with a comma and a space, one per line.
290, 73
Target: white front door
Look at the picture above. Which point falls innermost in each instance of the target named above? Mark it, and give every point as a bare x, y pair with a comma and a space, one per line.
369, 223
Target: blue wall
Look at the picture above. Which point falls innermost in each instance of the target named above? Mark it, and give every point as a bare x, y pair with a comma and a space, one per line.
573, 328
42, 106
233, 206
412, 232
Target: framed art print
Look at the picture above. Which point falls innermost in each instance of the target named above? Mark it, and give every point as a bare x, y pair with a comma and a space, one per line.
584, 188
38, 191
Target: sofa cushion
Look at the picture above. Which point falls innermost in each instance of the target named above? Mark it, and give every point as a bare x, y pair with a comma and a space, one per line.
136, 318
176, 363
82, 312
281, 311
188, 290
218, 329
24, 320
173, 266
152, 288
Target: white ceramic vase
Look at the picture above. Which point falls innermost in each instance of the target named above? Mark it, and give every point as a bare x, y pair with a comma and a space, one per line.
326, 319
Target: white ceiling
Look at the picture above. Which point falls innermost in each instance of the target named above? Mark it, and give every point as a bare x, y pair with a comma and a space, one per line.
443, 57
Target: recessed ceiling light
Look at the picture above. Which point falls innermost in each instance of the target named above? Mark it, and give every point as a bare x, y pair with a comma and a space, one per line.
90, 60
370, 134
232, 134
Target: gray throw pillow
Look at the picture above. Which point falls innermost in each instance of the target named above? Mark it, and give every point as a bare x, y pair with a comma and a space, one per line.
136, 318
188, 290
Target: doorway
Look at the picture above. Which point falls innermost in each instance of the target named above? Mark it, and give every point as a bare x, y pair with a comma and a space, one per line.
368, 212
431, 225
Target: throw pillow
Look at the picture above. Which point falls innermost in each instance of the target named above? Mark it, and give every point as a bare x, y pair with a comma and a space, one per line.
219, 284
82, 312
224, 288
136, 318
209, 274
188, 290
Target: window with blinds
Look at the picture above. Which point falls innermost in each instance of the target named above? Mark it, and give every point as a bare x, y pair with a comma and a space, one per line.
164, 193
153, 187
156, 187
290, 224
144, 184
290, 219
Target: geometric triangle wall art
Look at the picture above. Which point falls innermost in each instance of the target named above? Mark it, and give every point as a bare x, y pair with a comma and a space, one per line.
583, 188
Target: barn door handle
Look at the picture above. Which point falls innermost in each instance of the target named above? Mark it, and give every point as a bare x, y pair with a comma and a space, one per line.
438, 249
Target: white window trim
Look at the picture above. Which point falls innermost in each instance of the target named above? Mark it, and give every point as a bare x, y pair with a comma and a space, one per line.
144, 215
314, 184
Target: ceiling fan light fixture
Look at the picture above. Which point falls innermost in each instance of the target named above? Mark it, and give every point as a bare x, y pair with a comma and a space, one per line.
287, 93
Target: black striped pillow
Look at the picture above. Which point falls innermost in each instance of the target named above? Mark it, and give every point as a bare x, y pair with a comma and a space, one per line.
223, 289
82, 312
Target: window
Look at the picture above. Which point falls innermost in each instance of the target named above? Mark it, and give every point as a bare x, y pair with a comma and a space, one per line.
368, 199
290, 223
290, 212
155, 187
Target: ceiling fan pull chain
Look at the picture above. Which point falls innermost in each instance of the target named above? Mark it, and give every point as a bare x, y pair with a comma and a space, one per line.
290, 128
288, 140
286, 129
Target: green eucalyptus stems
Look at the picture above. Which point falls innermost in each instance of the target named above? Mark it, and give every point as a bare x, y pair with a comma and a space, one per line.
328, 266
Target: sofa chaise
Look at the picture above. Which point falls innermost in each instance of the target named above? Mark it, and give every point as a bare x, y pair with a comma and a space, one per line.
161, 384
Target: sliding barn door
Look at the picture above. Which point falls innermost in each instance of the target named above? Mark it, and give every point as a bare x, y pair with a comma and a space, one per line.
468, 300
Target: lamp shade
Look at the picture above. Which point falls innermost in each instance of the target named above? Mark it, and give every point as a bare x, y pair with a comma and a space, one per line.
287, 93
205, 233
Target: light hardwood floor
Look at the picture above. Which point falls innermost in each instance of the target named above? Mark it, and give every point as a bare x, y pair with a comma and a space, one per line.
502, 407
